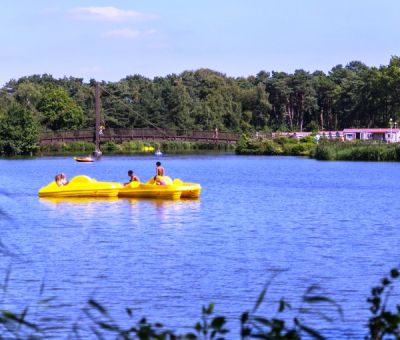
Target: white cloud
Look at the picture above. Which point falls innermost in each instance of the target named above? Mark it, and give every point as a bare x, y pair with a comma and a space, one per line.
128, 33
107, 13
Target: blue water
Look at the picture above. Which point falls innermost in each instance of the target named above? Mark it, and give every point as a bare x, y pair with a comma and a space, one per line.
296, 221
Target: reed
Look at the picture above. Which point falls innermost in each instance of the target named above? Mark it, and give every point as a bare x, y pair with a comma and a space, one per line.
357, 151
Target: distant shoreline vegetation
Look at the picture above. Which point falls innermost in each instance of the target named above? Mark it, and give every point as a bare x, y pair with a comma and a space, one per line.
281, 146
329, 150
133, 147
354, 95
357, 151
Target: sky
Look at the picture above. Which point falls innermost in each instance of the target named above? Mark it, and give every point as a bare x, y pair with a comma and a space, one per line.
111, 39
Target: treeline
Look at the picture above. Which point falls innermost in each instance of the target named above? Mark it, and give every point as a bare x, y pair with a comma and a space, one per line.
354, 95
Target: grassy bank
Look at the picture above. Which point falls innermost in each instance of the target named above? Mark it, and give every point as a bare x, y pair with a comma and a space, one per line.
357, 151
132, 147
278, 146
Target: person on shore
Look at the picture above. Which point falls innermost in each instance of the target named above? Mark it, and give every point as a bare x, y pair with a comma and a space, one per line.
216, 133
132, 177
160, 171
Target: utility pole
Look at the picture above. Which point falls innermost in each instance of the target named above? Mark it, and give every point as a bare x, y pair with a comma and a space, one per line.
97, 152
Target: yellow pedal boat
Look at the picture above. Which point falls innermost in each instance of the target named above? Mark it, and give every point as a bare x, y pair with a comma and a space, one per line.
189, 190
81, 186
162, 188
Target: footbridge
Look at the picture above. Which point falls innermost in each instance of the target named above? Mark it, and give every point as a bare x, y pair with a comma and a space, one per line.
137, 134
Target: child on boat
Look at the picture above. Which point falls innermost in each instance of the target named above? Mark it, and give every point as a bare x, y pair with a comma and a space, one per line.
64, 180
132, 177
58, 180
159, 169
61, 180
159, 181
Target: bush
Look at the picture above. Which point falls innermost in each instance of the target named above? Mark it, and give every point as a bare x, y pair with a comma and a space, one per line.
109, 146
67, 148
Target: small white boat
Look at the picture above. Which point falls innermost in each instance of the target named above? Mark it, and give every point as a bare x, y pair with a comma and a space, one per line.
158, 153
88, 159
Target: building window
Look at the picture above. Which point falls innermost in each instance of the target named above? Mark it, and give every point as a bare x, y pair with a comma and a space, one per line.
349, 136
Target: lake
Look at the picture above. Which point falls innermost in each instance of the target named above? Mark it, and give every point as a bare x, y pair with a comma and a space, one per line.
295, 221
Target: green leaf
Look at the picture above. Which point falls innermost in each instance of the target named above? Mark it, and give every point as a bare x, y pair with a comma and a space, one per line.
198, 327
394, 273
318, 299
210, 309
107, 326
45, 301
282, 305
263, 321
218, 322
98, 307
129, 311
244, 317
260, 299
315, 334
10, 316
245, 332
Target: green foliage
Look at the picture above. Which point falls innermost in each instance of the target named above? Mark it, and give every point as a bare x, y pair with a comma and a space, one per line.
357, 151
313, 126
68, 148
287, 322
109, 147
307, 139
18, 131
384, 323
354, 95
60, 111
134, 146
277, 146
258, 326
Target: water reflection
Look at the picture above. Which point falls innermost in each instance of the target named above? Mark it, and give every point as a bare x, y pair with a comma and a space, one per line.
160, 202
168, 213
82, 210
75, 200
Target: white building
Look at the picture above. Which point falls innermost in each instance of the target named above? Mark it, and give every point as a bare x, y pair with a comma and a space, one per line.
388, 135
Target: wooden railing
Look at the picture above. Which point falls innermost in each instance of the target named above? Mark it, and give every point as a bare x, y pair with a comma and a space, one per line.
145, 134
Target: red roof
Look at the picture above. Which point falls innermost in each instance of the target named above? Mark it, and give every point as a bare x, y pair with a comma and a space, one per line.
384, 130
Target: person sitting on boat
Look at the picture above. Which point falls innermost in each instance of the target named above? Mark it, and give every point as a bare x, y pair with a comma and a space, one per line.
64, 180
132, 177
159, 169
58, 180
159, 181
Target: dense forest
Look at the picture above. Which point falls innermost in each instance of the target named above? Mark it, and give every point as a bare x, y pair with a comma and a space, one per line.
354, 95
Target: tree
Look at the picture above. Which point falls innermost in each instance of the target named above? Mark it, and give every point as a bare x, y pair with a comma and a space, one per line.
18, 131
60, 111
325, 95
180, 107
